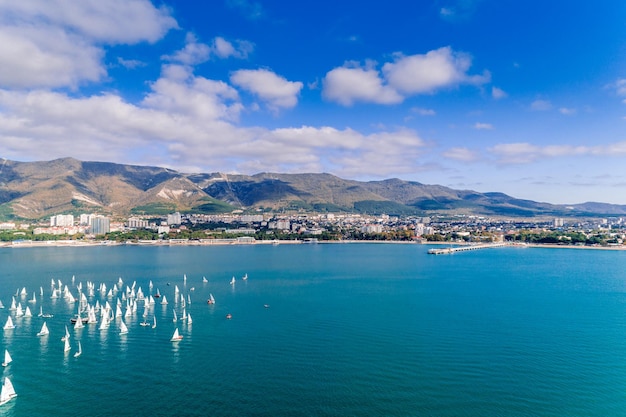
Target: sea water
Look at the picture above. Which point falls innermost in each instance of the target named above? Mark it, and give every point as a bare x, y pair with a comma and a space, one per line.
324, 330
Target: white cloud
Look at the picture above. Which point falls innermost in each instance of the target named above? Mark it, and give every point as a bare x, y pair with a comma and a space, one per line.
179, 92
461, 154
483, 126
440, 68
273, 89
524, 152
405, 76
498, 93
237, 49
541, 105
130, 63
58, 43
352, 83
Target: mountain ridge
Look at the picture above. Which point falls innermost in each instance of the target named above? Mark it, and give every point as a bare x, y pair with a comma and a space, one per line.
35, 190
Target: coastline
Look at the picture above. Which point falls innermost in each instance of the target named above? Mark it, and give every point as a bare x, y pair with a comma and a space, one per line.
223, 242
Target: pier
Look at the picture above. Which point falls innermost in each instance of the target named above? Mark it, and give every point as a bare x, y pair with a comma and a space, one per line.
448, 251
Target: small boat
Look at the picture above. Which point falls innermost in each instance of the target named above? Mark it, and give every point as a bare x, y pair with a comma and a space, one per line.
1, 305
7, 358
8, 392
229, 316
154, 322
157, 294
84, 320
245, 277
144, 323
44, 330
67, 346
9, 324
205, 280
232, 281
67, 334
164, 300
211, 300
189, 319
33, 300
176, 337
80, 350
123, 328
174, 319
266, 305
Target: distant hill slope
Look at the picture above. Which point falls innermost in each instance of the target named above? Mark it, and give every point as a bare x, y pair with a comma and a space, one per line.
34, 190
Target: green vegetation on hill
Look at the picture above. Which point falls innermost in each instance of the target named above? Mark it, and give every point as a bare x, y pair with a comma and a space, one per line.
154, 209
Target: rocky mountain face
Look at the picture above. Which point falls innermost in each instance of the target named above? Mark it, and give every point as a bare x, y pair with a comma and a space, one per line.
34, 190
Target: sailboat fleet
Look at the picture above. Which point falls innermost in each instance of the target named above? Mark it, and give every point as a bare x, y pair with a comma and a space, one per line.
118, 303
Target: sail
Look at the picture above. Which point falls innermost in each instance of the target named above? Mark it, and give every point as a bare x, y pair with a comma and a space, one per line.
80, 350
189, 319
164, 300
7, 358
176, 336
154, 322
9, 324
44, 330
7, 392
67, 346
123, 328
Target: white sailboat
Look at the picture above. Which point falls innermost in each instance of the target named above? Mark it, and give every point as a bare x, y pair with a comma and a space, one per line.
8, 392
9, 324
80, 350
176, 337
232, 281
67, 346
205, 280
7, 358
1, 304
123, 328
174, 319
164, 300
154, 323
67, 334
211, 300
44, 330
33, 300
144, 323
245, 277
27, 312
189, 319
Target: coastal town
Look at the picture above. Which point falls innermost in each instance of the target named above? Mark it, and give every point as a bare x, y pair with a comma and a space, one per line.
242, 227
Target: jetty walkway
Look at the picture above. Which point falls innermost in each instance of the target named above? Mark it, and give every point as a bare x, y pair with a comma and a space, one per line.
447, 251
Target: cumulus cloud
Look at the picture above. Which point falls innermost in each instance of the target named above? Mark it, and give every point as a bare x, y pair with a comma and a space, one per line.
271, 88
195, 52
352, 83
523, 152
419, 74
461, 154
405, 76
58, 43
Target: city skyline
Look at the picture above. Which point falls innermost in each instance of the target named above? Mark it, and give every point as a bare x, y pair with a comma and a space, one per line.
526, 99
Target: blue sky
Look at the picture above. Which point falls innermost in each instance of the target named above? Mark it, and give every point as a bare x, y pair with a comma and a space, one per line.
526, 98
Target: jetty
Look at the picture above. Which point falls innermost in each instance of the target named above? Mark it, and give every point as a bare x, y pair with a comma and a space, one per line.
448, 251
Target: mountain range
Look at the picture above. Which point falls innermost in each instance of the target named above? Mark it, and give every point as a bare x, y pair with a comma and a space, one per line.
36, 190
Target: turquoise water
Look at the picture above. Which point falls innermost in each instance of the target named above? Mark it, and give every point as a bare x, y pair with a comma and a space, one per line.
351, 330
